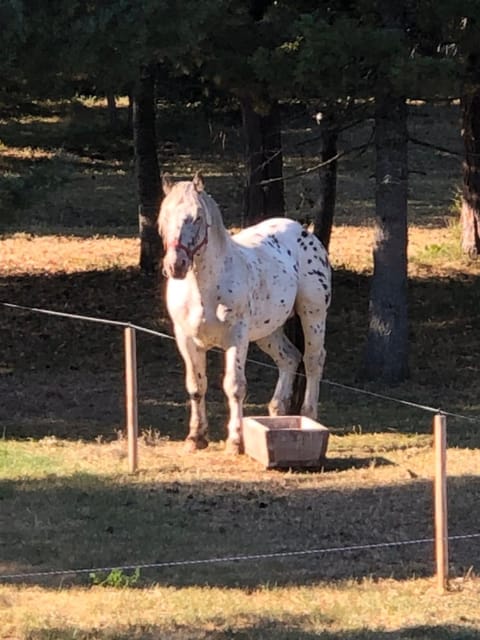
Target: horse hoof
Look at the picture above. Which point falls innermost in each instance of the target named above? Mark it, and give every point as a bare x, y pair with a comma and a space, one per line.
195, 444
233, 447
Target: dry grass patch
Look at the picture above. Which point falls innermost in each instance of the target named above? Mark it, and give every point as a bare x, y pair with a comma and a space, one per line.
26, 153
432, 251
371, 610
51, 254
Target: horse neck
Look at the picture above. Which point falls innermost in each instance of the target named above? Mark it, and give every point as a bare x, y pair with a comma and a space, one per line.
209, 262
208, 265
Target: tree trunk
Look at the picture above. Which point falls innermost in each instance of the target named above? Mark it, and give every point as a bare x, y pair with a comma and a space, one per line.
253, 208
112, 111
324, 207
147, 170
470, 214
271, 127
264, 161
130, 111
386, 355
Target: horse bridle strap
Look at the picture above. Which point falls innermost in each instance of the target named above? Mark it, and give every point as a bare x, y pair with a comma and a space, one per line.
176, 244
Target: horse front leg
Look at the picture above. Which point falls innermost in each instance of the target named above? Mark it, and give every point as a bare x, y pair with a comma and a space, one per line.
196, 384
235, 387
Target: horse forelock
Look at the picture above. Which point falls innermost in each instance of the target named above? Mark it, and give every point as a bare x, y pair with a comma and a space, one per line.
175, 206
182, 200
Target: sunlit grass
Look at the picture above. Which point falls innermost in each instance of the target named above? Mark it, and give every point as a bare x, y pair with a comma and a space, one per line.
22, 459
368, 610
351, 248
26, 253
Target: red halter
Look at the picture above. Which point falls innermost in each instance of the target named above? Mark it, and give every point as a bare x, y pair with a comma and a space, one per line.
176, 244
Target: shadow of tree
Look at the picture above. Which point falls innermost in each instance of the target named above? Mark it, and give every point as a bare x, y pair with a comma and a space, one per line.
86, 522
263, 629
65, 378
343, 464
67, 124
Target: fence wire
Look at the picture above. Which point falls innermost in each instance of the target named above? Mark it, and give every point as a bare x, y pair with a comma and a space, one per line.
227, 559
166, 336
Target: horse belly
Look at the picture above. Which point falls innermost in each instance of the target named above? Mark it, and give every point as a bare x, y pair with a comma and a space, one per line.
271, 307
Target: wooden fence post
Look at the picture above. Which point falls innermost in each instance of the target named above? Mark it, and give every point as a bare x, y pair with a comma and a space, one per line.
441, 513
131, 397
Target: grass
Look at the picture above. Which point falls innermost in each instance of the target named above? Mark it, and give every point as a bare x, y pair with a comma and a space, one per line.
199, 506
88, 513
20, 459
66, 498
339, 611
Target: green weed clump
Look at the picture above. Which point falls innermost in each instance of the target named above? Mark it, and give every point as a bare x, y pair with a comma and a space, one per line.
446, 251
117, 579
442, 251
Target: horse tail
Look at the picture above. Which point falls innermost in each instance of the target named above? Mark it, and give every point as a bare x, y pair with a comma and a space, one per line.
294, 332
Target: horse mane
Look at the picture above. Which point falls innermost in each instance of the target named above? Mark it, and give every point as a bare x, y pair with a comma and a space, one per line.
187, 191
213, 210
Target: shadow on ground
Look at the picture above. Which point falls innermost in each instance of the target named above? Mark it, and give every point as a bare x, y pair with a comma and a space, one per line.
85, 521
65, 378
263, 629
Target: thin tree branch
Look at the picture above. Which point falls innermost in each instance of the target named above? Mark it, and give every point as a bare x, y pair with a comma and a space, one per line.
429, 145
266, 162
339, 129
362, 148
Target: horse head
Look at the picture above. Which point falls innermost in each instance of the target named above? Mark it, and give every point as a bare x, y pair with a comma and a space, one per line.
183, 222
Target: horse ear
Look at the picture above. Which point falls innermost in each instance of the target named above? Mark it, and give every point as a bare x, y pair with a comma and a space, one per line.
198, 182
167, 183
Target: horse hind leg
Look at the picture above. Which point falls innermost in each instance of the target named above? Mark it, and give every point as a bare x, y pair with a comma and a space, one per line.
313, 324
287, 358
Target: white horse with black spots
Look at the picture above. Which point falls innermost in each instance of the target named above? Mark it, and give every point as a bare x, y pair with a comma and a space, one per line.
228, 290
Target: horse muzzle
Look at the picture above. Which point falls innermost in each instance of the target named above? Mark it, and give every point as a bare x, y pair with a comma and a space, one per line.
176, 265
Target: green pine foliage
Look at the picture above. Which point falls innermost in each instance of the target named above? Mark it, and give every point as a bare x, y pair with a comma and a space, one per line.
262, 49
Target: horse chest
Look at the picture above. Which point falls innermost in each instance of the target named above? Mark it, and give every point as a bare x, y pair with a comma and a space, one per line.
199, 318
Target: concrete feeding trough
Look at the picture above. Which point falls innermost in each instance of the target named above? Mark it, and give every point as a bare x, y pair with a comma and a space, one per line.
285, 441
